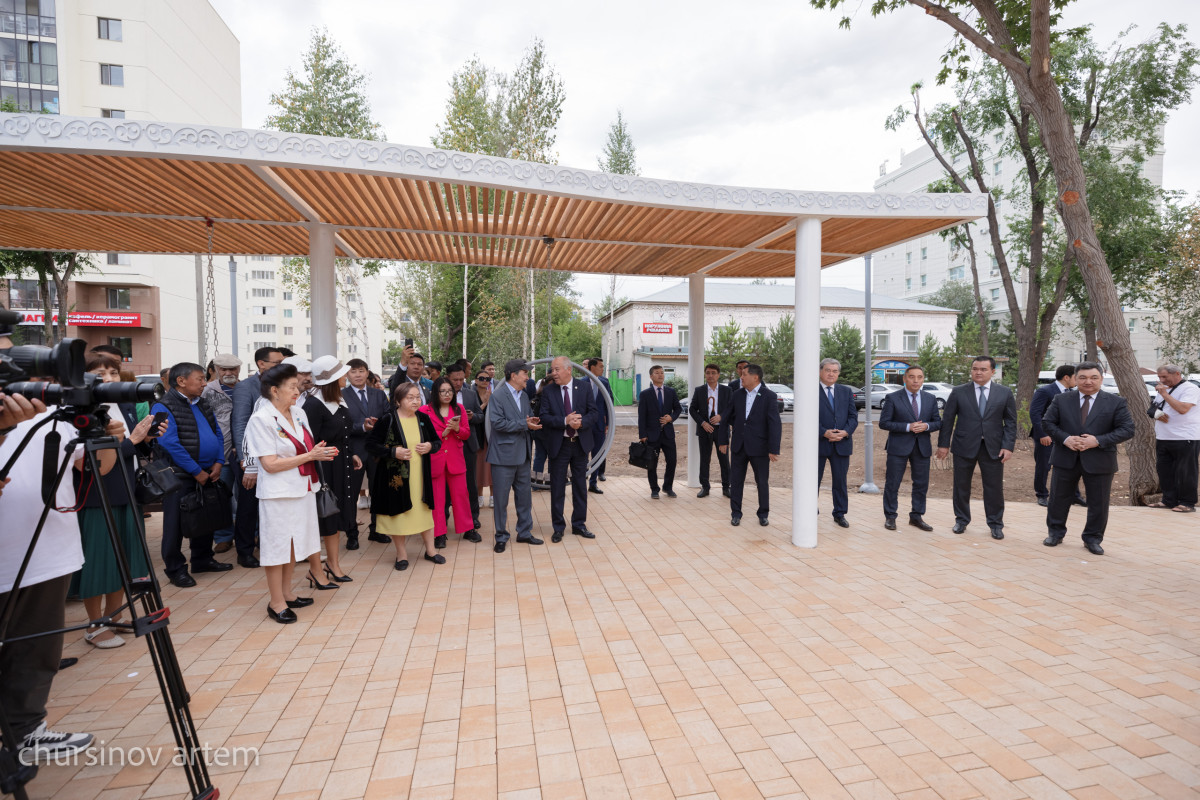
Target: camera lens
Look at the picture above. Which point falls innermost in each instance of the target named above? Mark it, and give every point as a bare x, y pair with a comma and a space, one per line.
48, 393
65, 361
126, 392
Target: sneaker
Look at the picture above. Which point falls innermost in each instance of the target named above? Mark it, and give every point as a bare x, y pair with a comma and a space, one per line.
43, 743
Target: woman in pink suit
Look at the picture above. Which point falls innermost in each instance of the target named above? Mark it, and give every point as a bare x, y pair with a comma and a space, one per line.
449, 466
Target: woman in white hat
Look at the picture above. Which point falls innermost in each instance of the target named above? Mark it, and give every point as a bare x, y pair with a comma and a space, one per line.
330, 420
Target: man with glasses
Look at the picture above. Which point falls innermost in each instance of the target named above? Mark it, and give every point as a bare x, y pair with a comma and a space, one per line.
245, 397
365, 405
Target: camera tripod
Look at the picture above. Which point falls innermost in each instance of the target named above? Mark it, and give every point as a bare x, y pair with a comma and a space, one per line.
143, 598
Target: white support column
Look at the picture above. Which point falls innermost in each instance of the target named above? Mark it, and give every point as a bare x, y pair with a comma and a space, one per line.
695, 371
322, 289
807, 358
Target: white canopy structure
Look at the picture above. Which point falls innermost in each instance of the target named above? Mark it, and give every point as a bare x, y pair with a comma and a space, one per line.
99, 185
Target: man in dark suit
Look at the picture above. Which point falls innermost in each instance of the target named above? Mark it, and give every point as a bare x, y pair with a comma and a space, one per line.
569, 420
245, 399
710, 404
753, 431
658, 408
474, 408
366, 406
600, 432
838, 419
909, 417
1064, 380
1086, 426
979, 424
740, 367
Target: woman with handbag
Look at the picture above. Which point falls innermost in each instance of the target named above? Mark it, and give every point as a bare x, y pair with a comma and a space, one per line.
99, 581
448, 464
330, 421
280, 441
402, 494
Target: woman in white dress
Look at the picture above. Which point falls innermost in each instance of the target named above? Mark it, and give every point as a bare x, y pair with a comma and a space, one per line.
279, 439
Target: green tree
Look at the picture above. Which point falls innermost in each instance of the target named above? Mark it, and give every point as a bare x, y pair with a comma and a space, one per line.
932, 357
1177, 287
619, 156
844, 342
779, 362
50, 269
573, 336
725, 347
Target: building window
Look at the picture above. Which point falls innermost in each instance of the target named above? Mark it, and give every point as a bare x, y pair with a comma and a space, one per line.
117, 259
912, 340
262, 274
351, 298
287, 332
923, 281
995, 263
1132, 322
262, 292
307, 332
956, 273
882, 341
287, 313
683, 336
262, 311
908, 284
287, 295
996, 168
263, 327
112, 75
112, 113
110, 29
924, 253
908, 257
118, 299
124, 344
261, 258
995, 294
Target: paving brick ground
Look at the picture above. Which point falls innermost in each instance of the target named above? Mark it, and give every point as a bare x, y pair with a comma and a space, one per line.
675, 656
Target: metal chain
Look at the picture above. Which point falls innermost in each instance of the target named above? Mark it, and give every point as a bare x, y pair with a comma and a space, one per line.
210, 302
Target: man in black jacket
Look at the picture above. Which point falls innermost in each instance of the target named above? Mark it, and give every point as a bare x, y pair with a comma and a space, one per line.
710, 404
1086, 425
754, 432
909, 417
979, 424
658, 408
1064, 380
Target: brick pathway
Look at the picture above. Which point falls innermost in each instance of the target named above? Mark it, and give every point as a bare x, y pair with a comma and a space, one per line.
676, 656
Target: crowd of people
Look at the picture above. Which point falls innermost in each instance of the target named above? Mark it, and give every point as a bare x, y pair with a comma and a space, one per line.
286, 458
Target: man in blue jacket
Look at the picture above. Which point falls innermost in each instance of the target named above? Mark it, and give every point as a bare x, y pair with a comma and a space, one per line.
658, 408
838, 419
909, 417
1064, 381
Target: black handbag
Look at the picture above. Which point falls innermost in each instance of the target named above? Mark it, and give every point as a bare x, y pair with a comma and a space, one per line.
154, 479
641, 455
205, 510
327, 504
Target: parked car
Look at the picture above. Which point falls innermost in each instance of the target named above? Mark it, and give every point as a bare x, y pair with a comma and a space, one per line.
878, 392
787, 398
940, 391
860, 399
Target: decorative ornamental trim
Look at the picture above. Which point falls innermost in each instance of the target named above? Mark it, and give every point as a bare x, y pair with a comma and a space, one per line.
44, 132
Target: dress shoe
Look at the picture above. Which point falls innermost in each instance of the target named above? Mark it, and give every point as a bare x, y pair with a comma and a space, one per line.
557, 537
889, 523
300, 602
378, 537
603, 478
351, 542
211, 566
959, 527
1094, 548
437, 559
63, 663
670, 493
402, 565
440, 542
725, 492
997, 533
735, 520
472, 536
184, 581
499, 548
1051, 541
595, 490
583, 533
222, 547
762, 521
249, 562
1043, 501
285, 617
530, 540
841, 521
1078, 501
654, 495
702, 493
917, 522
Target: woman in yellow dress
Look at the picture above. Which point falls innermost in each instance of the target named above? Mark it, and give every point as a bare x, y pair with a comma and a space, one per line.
402, 493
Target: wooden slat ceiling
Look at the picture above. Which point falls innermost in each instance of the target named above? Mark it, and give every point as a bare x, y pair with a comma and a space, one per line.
393, 218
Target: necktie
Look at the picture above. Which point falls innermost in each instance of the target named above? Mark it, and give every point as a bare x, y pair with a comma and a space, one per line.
362, 396
829, 392
982, 401
916, 408
1087, 401
660, 401
569, 432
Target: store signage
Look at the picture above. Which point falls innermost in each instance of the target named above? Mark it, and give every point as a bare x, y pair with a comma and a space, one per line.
105, 319
658, 327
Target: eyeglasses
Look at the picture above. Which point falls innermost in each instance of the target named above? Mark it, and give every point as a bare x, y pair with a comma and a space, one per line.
481, 380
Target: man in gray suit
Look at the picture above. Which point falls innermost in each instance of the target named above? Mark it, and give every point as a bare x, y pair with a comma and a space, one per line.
983, 418
510, 421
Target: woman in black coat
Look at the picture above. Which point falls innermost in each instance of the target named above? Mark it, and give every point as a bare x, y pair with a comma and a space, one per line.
330, 422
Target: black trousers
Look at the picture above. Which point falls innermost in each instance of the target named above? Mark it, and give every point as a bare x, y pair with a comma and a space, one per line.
201, 547
761, 465
357, 480
472, 490
1064, 483
27, 668
667, 448
707, 444
572, 455
839, 467
895, 474
991, 471
597, 442
1177, 471
1041, 470
245, 526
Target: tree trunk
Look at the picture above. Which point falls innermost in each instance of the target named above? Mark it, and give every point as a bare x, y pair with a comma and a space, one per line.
979, 312
1089, 335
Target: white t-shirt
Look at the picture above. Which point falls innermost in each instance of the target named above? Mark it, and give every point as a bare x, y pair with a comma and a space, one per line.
265, 437
59, 549
1180, 427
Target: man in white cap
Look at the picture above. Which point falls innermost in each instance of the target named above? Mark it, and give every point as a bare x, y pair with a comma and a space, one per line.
219, 394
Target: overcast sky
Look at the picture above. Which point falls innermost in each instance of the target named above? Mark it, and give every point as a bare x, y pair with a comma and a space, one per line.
769, 94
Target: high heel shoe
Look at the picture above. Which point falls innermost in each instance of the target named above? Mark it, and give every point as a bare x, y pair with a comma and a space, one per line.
300, 602
338, 578
316, 584
282, 617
